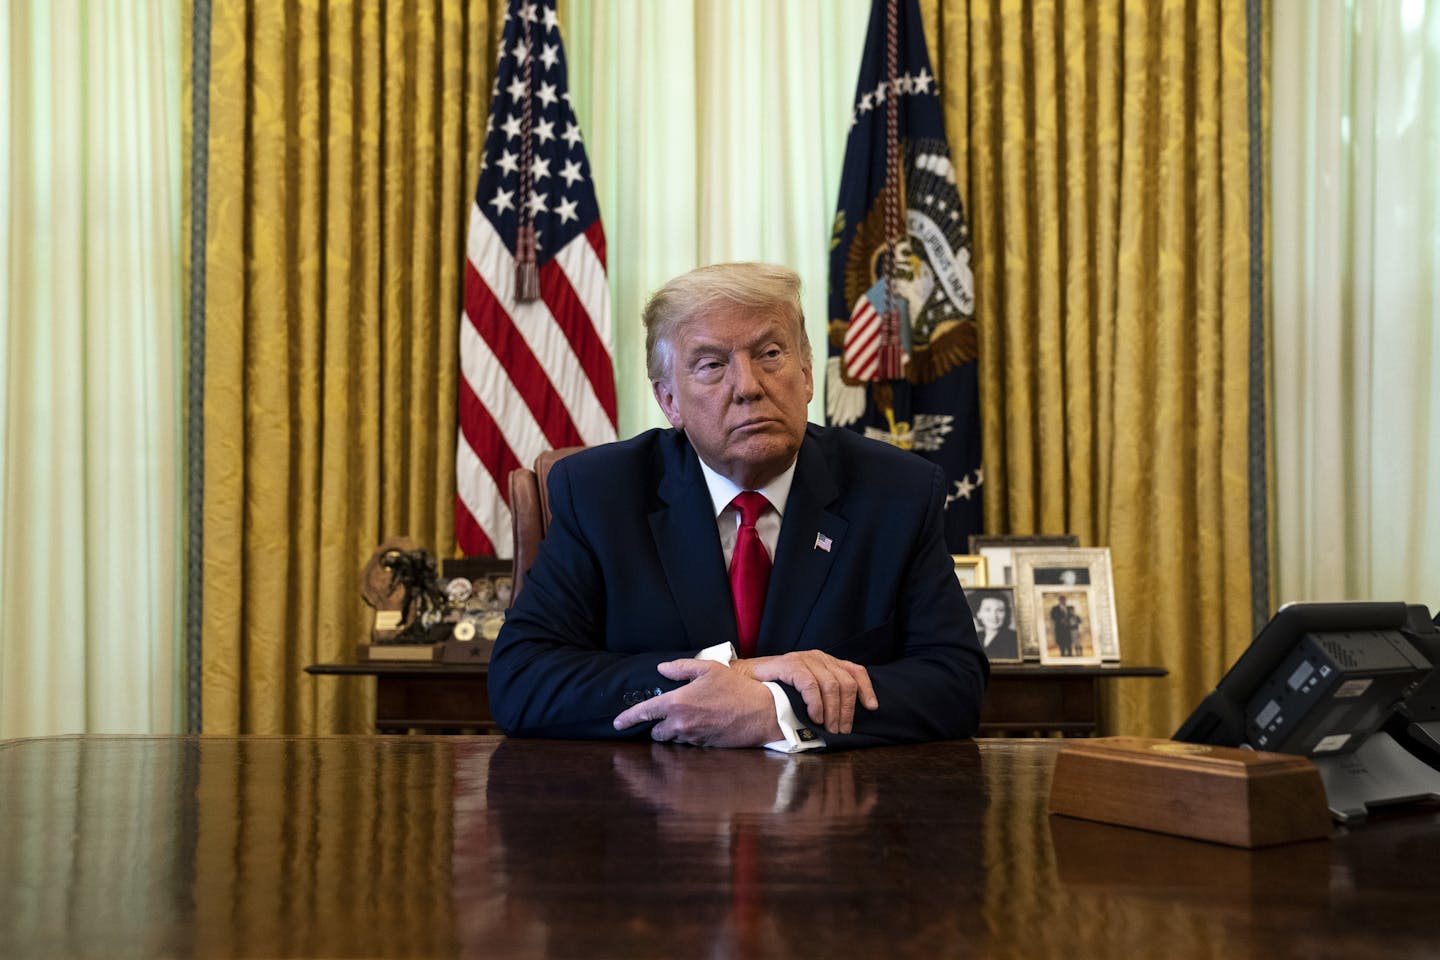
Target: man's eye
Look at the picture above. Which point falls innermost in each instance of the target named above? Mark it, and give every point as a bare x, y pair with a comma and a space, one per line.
708, 366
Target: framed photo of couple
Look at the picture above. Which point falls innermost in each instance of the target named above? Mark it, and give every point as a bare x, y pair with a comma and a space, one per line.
1065, 605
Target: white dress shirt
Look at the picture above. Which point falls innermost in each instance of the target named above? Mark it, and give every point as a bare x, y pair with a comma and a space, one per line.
797, 736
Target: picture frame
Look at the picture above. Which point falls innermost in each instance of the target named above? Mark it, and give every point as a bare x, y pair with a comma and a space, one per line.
970, 570
995, 623
1075, 567
1065, 624
999, 551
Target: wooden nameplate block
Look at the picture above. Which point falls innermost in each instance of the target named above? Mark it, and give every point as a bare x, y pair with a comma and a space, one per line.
1222, 794
475, 652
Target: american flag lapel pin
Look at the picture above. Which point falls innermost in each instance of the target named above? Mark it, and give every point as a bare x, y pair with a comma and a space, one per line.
823, 542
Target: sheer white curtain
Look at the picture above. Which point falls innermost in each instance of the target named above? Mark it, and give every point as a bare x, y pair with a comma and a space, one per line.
1356, 194
89, 379
716, 130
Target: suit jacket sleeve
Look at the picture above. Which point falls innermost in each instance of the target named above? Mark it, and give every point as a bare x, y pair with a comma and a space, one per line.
553, 673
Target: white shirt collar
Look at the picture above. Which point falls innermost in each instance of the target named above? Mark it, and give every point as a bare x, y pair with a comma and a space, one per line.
722, 490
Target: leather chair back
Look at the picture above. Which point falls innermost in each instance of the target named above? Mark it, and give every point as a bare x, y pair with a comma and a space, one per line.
530, 512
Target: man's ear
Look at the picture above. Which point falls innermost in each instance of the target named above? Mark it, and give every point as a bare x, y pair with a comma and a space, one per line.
665, 396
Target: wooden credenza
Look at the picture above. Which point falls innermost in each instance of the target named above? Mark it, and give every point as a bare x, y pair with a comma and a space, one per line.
1022, 699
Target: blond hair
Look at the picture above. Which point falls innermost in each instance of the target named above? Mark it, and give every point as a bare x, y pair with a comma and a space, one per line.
763, 288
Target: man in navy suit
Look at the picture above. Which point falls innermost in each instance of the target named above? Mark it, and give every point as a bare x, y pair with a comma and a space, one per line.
627, 625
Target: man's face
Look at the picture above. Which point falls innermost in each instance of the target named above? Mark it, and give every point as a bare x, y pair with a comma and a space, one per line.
991, 613
738, 386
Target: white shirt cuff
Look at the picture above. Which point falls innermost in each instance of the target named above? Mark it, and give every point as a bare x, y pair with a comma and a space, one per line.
798, 737
720, 653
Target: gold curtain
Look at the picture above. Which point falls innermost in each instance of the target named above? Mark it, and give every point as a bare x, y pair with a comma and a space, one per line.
1103, 149
344, 142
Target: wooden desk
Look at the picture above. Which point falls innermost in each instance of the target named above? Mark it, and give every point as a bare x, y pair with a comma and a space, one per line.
1022, 700
450, 846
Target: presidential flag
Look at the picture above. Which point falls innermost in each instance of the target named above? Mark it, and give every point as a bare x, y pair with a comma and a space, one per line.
535, 352
901, 365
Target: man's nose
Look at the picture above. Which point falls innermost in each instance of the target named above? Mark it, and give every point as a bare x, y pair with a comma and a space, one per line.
744, 381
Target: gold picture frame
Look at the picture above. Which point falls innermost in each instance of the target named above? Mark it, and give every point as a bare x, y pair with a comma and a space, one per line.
1074, 567
970, 569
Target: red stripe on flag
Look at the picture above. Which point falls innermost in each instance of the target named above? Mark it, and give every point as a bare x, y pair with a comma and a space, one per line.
863, 312
485, 438
596, 235
862, 340
579, 329
472, 540
514, 354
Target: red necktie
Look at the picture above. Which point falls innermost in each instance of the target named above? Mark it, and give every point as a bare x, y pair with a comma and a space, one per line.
749, 571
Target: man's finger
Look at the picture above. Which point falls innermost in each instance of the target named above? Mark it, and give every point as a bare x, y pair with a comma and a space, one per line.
660, 732
840, 689
809, 689
848, 688
866, 691
652, 709
687, 669
830, 693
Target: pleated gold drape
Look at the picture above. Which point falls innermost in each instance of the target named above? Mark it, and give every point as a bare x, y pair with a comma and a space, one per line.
1103, 149
343, 144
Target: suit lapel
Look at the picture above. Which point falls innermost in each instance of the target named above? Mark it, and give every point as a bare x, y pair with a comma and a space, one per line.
689, 547
801, 565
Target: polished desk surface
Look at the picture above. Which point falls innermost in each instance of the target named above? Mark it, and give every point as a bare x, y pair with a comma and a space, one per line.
433, 846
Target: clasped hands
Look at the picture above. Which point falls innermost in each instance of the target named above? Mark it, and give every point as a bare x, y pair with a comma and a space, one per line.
729, 706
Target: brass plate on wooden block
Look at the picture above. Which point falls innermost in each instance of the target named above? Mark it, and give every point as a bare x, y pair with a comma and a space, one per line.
1238, 797
399, 652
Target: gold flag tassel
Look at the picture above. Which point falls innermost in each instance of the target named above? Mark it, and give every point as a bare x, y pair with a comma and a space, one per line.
527, 270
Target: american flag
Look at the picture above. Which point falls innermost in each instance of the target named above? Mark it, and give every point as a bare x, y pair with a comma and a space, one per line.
535, 374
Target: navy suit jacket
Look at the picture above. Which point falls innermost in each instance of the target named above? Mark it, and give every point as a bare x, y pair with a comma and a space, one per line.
631, 574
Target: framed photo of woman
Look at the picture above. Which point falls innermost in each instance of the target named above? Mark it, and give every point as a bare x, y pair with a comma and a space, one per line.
994, 611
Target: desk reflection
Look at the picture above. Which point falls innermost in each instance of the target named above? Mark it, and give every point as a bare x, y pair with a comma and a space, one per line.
645, 850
